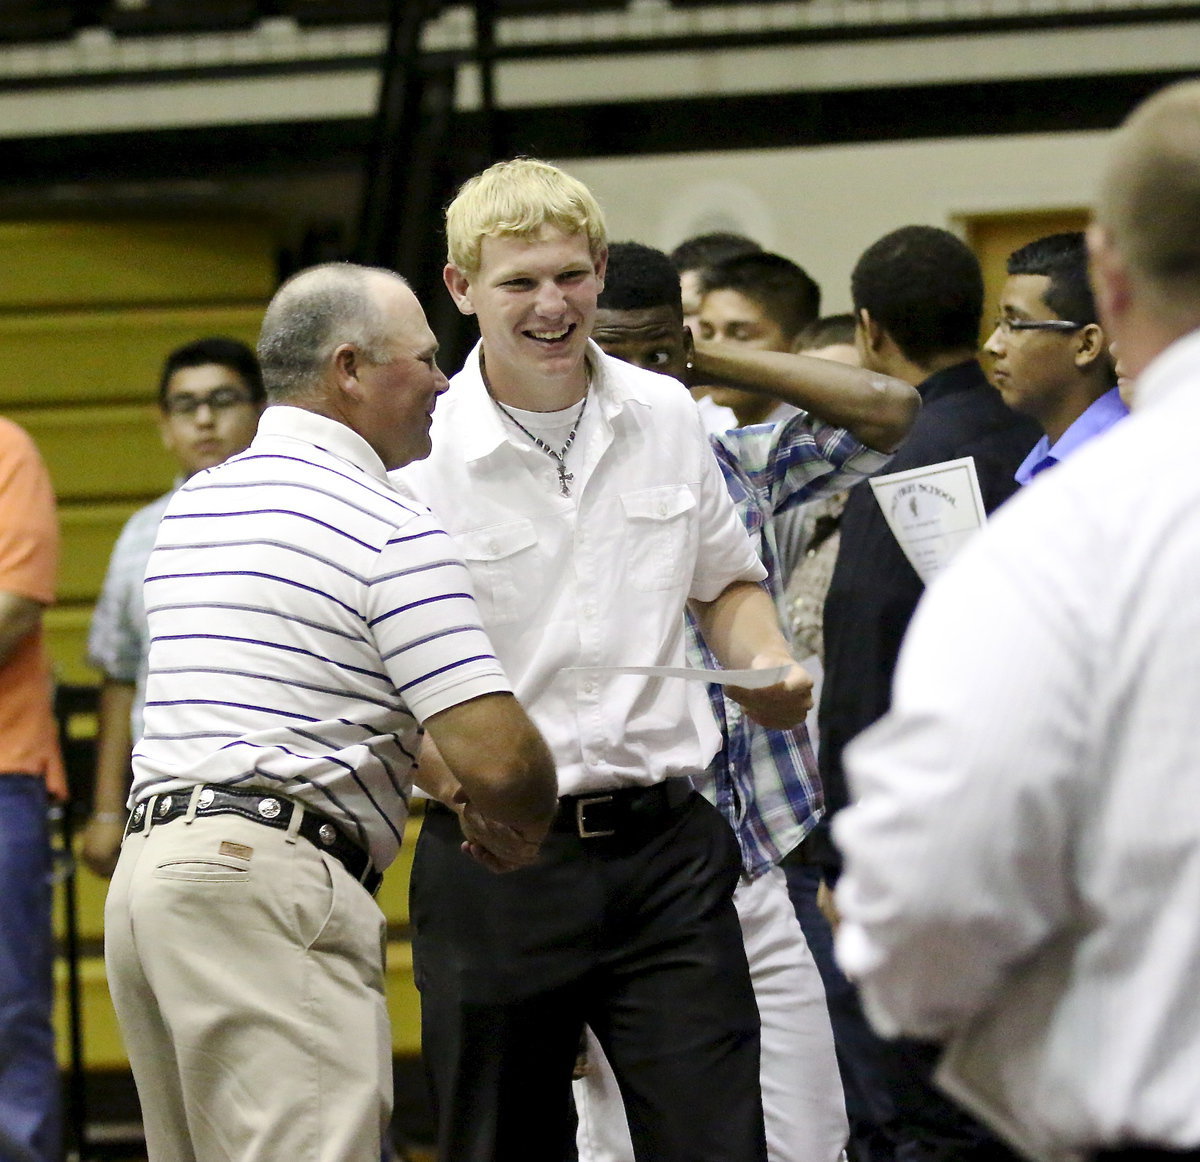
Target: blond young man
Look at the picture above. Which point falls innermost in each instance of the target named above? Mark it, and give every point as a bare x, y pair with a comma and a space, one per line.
587, 503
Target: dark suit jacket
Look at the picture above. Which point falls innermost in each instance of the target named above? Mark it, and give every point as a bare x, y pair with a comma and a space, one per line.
874, 590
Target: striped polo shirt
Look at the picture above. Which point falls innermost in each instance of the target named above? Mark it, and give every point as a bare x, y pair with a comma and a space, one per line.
304, 618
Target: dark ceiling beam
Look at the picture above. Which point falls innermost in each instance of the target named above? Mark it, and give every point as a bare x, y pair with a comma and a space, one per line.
388, 166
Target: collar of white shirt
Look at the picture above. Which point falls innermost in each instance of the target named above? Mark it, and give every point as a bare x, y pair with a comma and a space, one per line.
1168, 371
486, 431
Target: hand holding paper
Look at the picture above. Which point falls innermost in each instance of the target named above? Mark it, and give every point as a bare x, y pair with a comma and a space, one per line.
775, 695
781, 705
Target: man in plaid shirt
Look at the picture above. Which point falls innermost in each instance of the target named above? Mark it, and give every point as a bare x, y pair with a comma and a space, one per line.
763, 781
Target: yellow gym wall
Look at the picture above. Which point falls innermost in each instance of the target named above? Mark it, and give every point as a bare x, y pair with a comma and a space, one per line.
88, 309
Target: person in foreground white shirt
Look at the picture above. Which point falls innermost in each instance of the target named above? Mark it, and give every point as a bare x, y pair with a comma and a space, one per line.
1023, 856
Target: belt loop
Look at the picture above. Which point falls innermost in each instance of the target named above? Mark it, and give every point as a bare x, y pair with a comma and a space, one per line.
294, 822
193, 803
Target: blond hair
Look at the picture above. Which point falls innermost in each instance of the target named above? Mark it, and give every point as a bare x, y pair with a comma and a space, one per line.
516, 199
1150, 196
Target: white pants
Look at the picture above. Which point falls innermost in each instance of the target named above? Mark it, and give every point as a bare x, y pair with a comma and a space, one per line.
246, 969
803, 1106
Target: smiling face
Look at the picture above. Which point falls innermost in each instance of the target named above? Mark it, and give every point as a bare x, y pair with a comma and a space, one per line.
651, 337
535, 299
394, 400
208, 415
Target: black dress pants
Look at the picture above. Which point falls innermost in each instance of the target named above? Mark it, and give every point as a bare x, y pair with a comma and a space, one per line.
639, 939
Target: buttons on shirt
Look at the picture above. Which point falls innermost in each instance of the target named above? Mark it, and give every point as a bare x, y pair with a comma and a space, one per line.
589, 687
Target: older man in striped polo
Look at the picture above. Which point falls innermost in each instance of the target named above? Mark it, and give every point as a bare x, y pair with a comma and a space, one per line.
305, 621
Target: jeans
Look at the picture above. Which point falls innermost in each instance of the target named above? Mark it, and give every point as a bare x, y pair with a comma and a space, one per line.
30, 1089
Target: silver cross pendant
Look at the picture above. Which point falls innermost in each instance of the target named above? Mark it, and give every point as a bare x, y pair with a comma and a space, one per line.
564, 478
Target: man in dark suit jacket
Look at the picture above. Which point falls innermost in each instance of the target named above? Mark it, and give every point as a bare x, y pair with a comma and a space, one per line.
918, 302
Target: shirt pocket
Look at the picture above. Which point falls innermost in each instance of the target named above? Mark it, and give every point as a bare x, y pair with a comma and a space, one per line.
660, 536
503, 562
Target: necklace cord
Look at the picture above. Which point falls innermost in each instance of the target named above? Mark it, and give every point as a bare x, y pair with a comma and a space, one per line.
560, 458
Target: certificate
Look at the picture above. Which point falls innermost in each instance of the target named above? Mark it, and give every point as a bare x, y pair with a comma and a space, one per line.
746, 679
932, 511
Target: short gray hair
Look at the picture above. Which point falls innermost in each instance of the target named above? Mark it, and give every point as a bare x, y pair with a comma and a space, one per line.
314, 312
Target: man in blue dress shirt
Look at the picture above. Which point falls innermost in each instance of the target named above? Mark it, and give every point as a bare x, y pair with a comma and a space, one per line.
1051, 359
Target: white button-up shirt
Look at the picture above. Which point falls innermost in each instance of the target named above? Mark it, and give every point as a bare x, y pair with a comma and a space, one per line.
1023, 855
568, 585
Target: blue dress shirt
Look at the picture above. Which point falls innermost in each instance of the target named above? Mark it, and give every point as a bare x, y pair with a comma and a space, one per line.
1099, 417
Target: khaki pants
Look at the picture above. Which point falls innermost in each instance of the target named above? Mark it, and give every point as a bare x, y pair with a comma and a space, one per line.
246, 969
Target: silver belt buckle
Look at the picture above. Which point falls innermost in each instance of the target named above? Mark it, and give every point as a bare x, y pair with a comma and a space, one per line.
581, 805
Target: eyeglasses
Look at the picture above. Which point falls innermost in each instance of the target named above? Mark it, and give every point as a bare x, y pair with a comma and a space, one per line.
1009, 326
219, 400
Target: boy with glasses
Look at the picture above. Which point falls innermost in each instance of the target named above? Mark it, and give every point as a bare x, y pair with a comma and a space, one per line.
1050, 355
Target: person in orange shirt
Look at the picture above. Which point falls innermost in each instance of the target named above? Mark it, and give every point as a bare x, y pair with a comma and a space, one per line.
30, 771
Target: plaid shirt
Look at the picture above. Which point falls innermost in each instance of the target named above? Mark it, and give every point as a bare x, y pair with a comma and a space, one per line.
763, 781
118, 640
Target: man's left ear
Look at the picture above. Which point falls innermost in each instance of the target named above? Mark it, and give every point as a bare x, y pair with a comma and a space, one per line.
346, 360
1091, 345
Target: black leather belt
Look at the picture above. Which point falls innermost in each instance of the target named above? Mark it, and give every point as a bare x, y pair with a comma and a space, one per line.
261, 806
621, 811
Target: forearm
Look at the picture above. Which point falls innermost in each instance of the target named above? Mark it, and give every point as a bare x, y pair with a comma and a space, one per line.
524, 794
19, 617
490, 749
105, 827
741, 625
742, 629
877, 410
113, 746
434, 777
